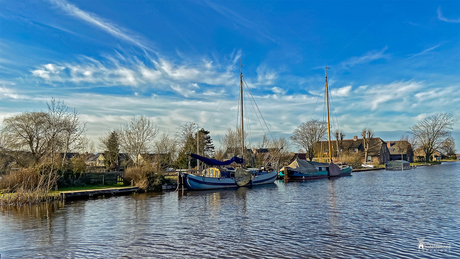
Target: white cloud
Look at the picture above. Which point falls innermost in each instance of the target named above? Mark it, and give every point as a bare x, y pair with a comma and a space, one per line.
182, 90
396, 91
366, 58
444, 19
94, 20
341, 92
424, 51
7, 93
278, 90
49, 72
121, 70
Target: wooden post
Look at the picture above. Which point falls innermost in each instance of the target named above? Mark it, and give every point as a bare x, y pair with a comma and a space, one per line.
103, 179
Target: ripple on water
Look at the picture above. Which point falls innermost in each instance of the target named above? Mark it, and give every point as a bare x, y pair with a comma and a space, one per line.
374, 214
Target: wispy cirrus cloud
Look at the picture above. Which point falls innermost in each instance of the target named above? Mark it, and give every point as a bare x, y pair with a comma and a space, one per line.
424, 51
238, 19
94, 20
444, 19
122, 70
366, 58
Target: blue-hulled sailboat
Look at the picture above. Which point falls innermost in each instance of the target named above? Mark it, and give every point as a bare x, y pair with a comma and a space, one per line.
220, 174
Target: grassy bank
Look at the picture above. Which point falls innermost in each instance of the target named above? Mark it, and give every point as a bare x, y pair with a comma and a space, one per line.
424, 163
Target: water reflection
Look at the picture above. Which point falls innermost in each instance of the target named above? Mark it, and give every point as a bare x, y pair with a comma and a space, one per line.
346, 217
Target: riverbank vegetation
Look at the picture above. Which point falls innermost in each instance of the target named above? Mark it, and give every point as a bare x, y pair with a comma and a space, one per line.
47, 150
27, 186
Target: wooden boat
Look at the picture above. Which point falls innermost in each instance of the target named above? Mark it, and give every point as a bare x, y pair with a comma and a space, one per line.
220, 176
334, 170
308, 170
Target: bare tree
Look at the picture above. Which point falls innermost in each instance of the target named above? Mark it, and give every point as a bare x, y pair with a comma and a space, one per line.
231, 142
339, 135
432, 131
72, 133
367, 135
27, 132
307, 135
279, 152
137, 136
185, 133
166, 151
448, 146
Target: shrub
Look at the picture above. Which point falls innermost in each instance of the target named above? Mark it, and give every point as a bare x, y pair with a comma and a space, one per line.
27, 186
145, 177
26, 178
353, 159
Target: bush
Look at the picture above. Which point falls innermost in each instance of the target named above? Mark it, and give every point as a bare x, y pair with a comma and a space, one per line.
353, 159
27, 186
145, 177
26, 178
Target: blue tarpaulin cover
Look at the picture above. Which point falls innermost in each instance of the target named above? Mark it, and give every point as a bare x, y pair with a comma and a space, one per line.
210, 161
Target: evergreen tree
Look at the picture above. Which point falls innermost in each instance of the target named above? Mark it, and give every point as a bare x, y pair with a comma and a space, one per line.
111, 144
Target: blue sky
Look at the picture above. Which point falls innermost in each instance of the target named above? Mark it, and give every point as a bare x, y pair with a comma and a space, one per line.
392, 62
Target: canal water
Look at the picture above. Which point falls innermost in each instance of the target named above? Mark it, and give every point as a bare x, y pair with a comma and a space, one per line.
370, 214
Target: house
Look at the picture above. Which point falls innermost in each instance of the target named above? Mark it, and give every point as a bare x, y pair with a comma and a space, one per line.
458, 156
419, 155
378, 150
95, 159
401, 150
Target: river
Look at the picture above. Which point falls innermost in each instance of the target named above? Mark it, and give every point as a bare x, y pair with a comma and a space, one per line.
369, 214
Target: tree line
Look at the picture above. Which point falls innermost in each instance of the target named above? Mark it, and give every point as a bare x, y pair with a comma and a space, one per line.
44, 138
431, 134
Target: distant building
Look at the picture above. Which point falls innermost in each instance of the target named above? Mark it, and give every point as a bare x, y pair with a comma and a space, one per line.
419, 155
400, 150
378, 151
95, 159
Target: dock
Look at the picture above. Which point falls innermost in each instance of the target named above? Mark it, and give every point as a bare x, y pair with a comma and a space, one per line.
97, 192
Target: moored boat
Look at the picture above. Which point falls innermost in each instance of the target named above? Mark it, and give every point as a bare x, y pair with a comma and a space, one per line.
219, 175
301, 169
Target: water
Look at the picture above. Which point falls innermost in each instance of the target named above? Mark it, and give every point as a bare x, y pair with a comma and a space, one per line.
370, 214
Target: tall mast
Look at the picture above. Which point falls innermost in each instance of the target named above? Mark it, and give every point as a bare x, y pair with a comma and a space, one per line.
241, 101
328, 124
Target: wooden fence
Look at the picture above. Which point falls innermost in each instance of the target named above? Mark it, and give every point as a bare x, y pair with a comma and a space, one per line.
108, 178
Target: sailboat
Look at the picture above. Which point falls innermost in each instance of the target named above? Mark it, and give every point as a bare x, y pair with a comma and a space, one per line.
309, 170
219, 175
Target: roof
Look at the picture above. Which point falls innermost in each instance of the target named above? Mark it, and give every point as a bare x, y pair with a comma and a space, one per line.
92, 157
399, 147
396, 163
350, 144
265, 150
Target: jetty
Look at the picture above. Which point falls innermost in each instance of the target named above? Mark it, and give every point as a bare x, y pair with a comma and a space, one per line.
98, 192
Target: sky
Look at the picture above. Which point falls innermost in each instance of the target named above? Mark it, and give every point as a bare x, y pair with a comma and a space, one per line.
392, 63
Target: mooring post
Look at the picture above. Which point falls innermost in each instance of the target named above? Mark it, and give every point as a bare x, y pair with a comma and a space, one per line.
132, 183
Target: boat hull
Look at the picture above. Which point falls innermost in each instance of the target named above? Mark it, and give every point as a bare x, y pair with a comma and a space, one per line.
318, 175
195, 182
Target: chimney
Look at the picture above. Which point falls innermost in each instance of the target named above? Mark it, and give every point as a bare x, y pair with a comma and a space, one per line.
388, 144
355, 138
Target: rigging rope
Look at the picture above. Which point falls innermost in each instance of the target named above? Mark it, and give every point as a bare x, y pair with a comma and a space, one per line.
233, 84
258, 109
